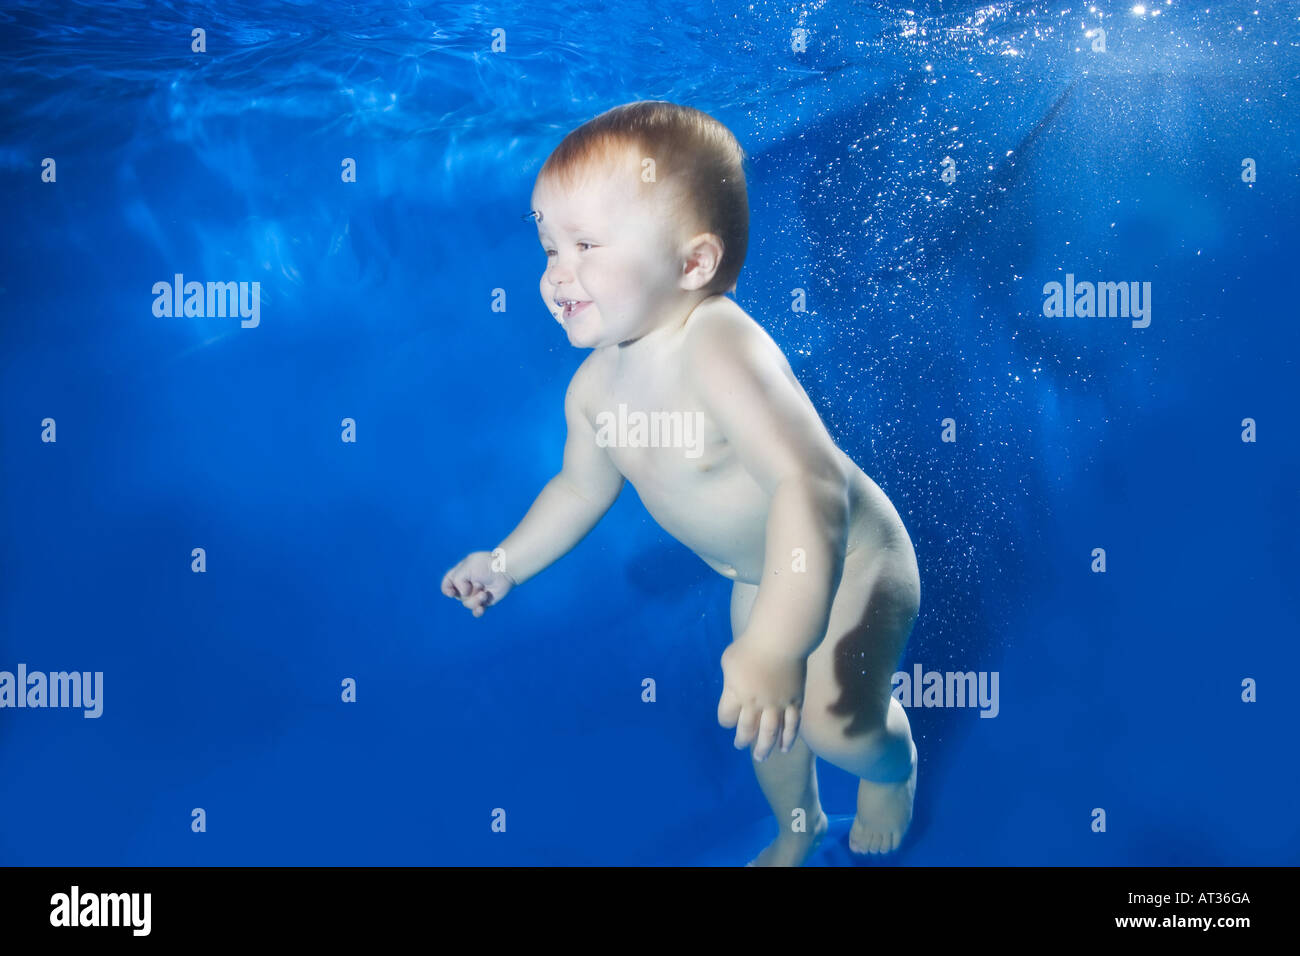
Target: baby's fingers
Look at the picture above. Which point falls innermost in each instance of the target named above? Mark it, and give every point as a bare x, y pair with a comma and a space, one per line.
747, 727
728, 708
477, 601
769, 732
792, 717
449, 585
457, 584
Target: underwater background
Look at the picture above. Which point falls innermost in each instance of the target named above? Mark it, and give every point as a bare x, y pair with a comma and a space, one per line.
921, 172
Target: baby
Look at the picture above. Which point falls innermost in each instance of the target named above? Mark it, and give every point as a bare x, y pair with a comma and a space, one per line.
644, 217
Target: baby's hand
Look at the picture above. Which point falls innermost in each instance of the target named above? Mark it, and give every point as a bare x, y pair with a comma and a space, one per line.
475, 584
762, 695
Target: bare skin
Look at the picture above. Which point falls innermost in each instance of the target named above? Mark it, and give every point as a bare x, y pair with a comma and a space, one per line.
826, 580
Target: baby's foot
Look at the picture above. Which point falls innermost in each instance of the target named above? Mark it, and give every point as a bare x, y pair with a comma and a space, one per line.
792, 849
884, 812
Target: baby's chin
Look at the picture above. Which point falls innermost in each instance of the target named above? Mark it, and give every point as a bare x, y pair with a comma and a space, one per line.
582, 332
581, 339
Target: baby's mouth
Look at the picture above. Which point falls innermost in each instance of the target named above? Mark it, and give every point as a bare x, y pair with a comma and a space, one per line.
571, 307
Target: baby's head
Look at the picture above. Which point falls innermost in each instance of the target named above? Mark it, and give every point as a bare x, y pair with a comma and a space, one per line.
643, 213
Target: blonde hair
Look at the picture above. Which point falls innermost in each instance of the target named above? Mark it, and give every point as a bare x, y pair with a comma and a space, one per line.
695, 154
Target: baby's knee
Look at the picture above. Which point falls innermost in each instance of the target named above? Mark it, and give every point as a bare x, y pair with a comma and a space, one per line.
875, 751
826, 729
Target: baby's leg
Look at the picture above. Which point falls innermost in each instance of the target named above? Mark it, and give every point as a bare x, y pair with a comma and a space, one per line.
788, 780
849, 716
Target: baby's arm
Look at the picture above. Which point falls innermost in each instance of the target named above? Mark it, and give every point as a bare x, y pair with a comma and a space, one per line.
571, 503
567, 508
746, 386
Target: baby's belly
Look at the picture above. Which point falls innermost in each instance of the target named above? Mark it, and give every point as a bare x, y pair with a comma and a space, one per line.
722, 517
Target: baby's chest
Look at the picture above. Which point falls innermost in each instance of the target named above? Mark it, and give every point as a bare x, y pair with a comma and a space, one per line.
661, 444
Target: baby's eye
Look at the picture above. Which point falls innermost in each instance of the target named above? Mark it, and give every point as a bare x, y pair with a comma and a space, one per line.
588, 244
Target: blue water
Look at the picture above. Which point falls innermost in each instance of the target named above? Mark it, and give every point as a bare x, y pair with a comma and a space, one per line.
222, 690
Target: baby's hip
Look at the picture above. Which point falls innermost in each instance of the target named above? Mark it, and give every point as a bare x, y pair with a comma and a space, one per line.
880, 578
878, 596
874, 522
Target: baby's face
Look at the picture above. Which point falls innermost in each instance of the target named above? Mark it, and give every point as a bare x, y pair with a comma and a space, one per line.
612, 252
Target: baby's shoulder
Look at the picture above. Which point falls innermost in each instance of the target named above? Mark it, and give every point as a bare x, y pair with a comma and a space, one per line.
718, 315
721, 330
